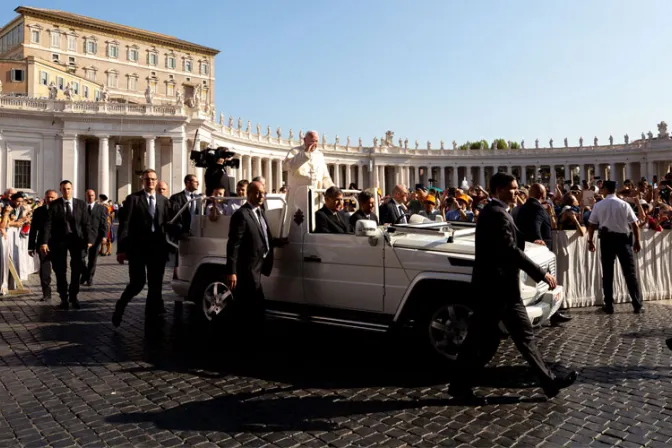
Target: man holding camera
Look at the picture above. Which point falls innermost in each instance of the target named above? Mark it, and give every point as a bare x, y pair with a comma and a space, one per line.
619, 232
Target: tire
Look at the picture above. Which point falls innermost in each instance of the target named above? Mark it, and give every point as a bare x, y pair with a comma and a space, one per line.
442, 328
211, 295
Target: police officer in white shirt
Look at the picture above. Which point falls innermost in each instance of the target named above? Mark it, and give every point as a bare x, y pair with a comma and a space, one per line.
617, 224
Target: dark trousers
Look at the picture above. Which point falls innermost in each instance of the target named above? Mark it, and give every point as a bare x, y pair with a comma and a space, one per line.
90, 261
483, 330
618, 245
45, 273
146, 266
59, 259
248, 306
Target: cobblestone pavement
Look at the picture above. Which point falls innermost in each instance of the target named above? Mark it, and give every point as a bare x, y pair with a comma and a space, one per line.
71, 379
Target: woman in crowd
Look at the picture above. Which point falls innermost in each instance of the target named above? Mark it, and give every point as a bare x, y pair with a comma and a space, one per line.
570, 218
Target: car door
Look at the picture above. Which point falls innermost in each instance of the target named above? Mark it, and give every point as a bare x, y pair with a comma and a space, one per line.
343, 271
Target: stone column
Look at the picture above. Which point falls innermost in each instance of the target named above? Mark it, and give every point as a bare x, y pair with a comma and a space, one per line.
416, 179
442, 175
383, 180
567, 176
337, 175
278, 174
649, 170
124, 188
248, 168
269, 175
360, 179
481, 177
150, 146
104, 165
554, 178
69, 159
348, 175
257, 168
177, 160
628, 171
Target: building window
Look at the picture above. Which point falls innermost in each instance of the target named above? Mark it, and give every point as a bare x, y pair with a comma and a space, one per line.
113, 51
75, 87
188, 65
60, 82
86, 92
44, 78
35, 36
133, 55
152, 58
97, 95
72, 43
170, 89
205, 68
170, 62
55, 39
91, 75
132, 83
71, 60
55, 57
112, 79
22, 174
91, 46
18, 75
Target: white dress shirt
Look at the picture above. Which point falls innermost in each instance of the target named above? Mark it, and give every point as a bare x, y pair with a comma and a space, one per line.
613, 213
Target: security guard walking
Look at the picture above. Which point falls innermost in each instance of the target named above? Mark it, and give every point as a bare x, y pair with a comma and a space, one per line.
617, 224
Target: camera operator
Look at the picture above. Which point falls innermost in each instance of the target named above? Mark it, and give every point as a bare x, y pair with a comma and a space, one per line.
216, 177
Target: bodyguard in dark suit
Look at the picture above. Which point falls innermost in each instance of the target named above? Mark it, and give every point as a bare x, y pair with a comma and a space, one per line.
327, 219
366, 205
142, 241
98, 222
496, 293
249, 255
67, 229
179, 199
35, 240
394, 211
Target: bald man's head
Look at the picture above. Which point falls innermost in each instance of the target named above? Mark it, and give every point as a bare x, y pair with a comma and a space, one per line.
400, 193
256, 192
538, 191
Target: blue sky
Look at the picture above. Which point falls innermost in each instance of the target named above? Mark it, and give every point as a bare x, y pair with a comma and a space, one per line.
426, 69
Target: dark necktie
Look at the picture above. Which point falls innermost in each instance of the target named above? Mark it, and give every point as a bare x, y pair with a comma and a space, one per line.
90, 209
262, 225
152, 210
69, 218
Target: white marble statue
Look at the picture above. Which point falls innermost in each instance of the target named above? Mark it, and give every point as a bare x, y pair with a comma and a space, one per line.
68, 92
442, 145
197, 97
482, 146
360, 143
347, 142
611, 140
221, 118
105, 94
405, 143
240, 123
626, 137
301, 135
179, 102
324, 140
580, 142
0, 87
230, 121
429, 144
53, 91
336, 141
566, 143
522, 144
595, 141
268, 130
662, 130
291, 135
643, 136
375, 142
249, 126
401, 143
278, 132
650, 135
536, 143
258, 129
454, 144
550, 143
417, 144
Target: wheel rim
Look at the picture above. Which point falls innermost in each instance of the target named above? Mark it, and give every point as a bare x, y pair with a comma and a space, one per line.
448, 329
215, 298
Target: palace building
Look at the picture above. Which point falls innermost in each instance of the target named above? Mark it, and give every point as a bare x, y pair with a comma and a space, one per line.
97, 102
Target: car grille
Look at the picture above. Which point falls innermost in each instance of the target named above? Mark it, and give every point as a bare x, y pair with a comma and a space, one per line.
542, 287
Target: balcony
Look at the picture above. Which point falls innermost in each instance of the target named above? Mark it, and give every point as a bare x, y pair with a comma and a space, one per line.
90, 107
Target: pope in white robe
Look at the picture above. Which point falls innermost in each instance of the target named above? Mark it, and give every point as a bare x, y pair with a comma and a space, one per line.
305, 166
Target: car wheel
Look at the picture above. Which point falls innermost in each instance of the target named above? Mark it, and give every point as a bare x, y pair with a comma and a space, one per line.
216, 298
444, 330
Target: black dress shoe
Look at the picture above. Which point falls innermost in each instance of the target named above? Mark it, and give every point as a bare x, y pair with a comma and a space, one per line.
63, 305
639, 310
553, 388
609, 309
465, 395
118, 314
75, 303
82, 281
89, 282
560, 317
668, 342
46, 298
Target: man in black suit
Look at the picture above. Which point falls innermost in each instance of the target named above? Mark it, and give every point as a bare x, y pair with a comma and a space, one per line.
366, 205
67, 230
327, 219
142, 241
394, 211
249, 255
98, 222
179, 199
535, 220
496, 293
35, 240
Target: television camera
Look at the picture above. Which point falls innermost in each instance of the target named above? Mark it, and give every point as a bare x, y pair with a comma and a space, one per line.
215, 161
